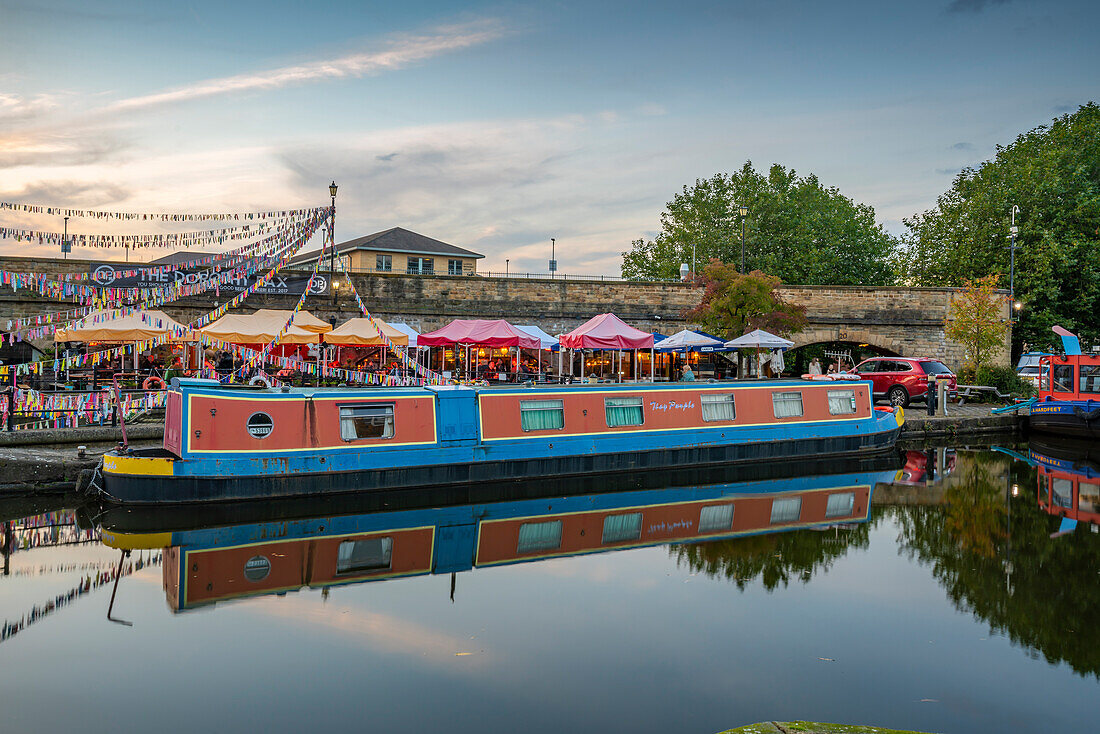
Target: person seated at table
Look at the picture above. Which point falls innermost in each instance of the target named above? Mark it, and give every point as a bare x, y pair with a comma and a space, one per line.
688, 375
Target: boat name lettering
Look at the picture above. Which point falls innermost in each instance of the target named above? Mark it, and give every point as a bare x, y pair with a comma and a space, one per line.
671, 405
669, 527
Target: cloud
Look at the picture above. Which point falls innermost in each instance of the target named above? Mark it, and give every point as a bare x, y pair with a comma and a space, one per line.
78, 194
400, 53
973, 6
962, 146
948, 171
51, 148
14, 107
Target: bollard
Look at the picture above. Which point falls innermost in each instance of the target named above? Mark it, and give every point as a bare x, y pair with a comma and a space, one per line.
930, 395
941, 385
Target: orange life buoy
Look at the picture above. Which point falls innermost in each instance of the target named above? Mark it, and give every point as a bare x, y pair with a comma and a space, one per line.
153, 383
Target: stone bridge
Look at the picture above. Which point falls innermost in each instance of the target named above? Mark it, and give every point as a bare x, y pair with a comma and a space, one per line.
902, 321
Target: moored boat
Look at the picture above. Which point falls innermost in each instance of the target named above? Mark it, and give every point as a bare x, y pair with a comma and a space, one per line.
1069, 392
231, 443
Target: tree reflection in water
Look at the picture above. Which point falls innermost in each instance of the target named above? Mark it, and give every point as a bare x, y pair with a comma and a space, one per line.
775, 558
991, 552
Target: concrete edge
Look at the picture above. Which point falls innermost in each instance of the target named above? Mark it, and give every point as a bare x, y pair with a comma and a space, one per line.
88, 434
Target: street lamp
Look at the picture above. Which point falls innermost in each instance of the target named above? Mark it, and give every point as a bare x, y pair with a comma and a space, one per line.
744, 212
332, 230
335, 290
553, 260
1012, 230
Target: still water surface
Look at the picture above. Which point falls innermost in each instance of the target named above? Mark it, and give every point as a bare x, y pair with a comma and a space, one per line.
944, 606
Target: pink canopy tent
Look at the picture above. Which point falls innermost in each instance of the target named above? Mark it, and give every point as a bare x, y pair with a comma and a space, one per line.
493, 333
607, 331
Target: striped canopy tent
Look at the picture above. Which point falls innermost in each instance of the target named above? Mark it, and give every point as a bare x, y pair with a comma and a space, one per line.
361, 332
608, 331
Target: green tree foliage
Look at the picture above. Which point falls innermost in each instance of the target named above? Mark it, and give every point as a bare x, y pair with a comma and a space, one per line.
975, 321
734, 304
1053, 175
995, 559
797, 229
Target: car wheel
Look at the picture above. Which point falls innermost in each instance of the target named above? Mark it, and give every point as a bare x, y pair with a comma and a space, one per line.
898, 395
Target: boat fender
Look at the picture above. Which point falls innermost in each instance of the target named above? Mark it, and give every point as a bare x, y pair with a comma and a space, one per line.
816, 377
1087, 415
152, 383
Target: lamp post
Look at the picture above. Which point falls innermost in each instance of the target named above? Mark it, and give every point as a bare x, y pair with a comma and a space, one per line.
553, 260
332, 230
335, 290
1012, 230
744, 212
65, 241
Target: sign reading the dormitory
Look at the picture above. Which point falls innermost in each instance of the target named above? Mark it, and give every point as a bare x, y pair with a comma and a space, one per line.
110, 275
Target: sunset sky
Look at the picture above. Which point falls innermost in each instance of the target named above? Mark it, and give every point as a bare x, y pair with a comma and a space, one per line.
498, 125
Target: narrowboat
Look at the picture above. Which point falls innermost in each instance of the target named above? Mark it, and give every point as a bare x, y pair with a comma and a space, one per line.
231, 443
209, 565
1069, 392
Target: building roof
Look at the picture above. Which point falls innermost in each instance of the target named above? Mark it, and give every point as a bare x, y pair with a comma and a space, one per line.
395, 239
181, 256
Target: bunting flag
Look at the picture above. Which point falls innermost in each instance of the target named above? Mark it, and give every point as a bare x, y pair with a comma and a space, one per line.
162, 240
157, 217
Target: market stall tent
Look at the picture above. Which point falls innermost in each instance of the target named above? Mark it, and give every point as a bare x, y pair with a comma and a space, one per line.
361, 332
302, 319
115, 328
409, 331
258, 329
480, 332
608, 331
548, 342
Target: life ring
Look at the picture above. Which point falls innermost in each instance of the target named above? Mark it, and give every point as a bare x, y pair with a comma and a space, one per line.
816, 377
261, 379
153, 383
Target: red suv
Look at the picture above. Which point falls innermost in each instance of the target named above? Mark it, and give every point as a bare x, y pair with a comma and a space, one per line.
901, 379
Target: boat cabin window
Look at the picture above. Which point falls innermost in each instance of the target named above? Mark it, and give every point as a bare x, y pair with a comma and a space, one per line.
541, 415
842, 402
718, 407
715, 517
840, 505
617, 528
366, 421
536, 536
1063, 492
1063, 378
370, 554
623, 412
1090, 378
787, 404
786, 509
1088, 497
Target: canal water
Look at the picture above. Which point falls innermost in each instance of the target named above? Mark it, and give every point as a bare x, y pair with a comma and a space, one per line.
941, 588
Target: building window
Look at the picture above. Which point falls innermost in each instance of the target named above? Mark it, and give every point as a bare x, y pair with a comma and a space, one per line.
383, 263
371, 554
541, 415
1063, 378
715, 517
536, 536
840, 505
366, 421
618, 528
787, 404
718, 407
787, 509
842, 402
421, 266
454, 267
1088, 497
1090, 378
623, 412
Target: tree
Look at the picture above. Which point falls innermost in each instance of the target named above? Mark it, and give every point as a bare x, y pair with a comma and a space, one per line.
1053, 175
975, 320
734, 303
797, 229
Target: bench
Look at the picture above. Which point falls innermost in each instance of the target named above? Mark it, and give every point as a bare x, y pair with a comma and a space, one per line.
966, 392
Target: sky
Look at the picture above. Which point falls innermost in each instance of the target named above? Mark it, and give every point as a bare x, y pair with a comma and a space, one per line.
495, 126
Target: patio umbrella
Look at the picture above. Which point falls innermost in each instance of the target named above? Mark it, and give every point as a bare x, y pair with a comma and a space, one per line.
759, 339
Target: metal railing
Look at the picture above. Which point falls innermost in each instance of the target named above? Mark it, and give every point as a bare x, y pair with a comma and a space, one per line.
510, 274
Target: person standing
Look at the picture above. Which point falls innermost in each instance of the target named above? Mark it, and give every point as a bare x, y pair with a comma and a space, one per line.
815, 366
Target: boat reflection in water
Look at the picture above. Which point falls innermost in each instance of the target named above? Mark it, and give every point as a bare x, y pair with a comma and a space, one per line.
1069, 480
279, 547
